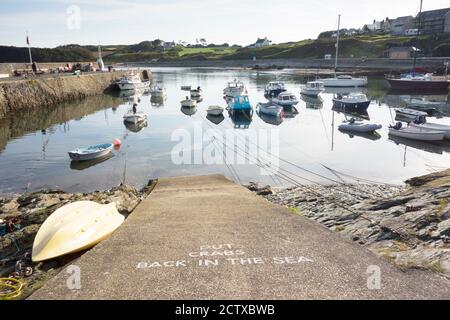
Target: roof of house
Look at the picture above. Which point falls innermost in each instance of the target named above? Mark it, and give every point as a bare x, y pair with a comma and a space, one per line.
401, 49
262, 40
434, 14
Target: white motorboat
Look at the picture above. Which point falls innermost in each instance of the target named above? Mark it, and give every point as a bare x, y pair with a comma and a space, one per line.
270, 109
343, 80
273, 89
158, 90
235, 89
422, 104
359, 126
410, 114
433, 127
196, 93
215, 110
132, 82
189, 103
134, 117
285, 99
416, 133
90, 153
313, 88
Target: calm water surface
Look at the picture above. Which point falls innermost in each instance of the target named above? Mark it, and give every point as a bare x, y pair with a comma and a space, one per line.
34, 144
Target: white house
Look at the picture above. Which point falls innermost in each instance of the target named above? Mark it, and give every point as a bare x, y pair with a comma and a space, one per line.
260, 43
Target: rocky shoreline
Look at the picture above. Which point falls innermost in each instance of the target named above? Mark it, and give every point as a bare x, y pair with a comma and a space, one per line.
22, 216
406, 225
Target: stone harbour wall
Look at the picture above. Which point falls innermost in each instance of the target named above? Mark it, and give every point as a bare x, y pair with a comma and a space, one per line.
42, 91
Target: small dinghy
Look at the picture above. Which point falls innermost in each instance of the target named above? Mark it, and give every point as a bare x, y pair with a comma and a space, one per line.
186, 88
410, 114
416, 133
189, 103
270, 109
359, 126
215, 110
196, 93
75, 227
91, 153
158, 90
135, 118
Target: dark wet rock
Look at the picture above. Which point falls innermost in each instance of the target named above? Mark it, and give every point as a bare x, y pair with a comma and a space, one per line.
408, 226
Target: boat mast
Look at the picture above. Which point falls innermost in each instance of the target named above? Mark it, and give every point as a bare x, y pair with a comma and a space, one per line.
337, 46
417, 39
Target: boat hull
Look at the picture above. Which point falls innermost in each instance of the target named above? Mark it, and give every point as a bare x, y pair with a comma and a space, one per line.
363, 128
434, 127
133, 86
75, 227
350, 106
421, 135
76, 156
403, 85
272, 111
135, 119
215, 112
344, 83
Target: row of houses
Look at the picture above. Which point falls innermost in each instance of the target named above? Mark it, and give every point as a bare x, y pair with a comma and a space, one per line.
434, 22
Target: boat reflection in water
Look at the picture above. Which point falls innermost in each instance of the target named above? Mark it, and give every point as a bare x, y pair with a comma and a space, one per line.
374, 136
83, 165
312, 102
344, 91
358, 115
158, 101
272, 120
188, 111
241, 120
216, 119
290, 113
136, 127
430, 147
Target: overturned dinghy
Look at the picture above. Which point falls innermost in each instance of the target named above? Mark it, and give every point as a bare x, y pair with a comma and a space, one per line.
75, 227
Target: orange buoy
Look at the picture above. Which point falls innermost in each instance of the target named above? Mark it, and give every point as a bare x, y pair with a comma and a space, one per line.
117, 143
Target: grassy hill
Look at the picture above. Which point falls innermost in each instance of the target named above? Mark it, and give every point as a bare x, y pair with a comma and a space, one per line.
370, 46
60, 54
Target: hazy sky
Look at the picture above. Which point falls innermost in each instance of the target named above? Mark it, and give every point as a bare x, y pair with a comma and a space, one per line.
56, 22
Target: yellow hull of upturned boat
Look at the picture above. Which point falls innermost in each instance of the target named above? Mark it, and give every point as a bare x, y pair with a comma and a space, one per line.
75, 227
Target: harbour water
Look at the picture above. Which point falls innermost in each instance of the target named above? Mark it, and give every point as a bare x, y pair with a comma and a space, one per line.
34, 144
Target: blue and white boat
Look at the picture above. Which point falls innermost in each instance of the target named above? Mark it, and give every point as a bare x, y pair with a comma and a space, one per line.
240, 104
92, 152
273, 89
